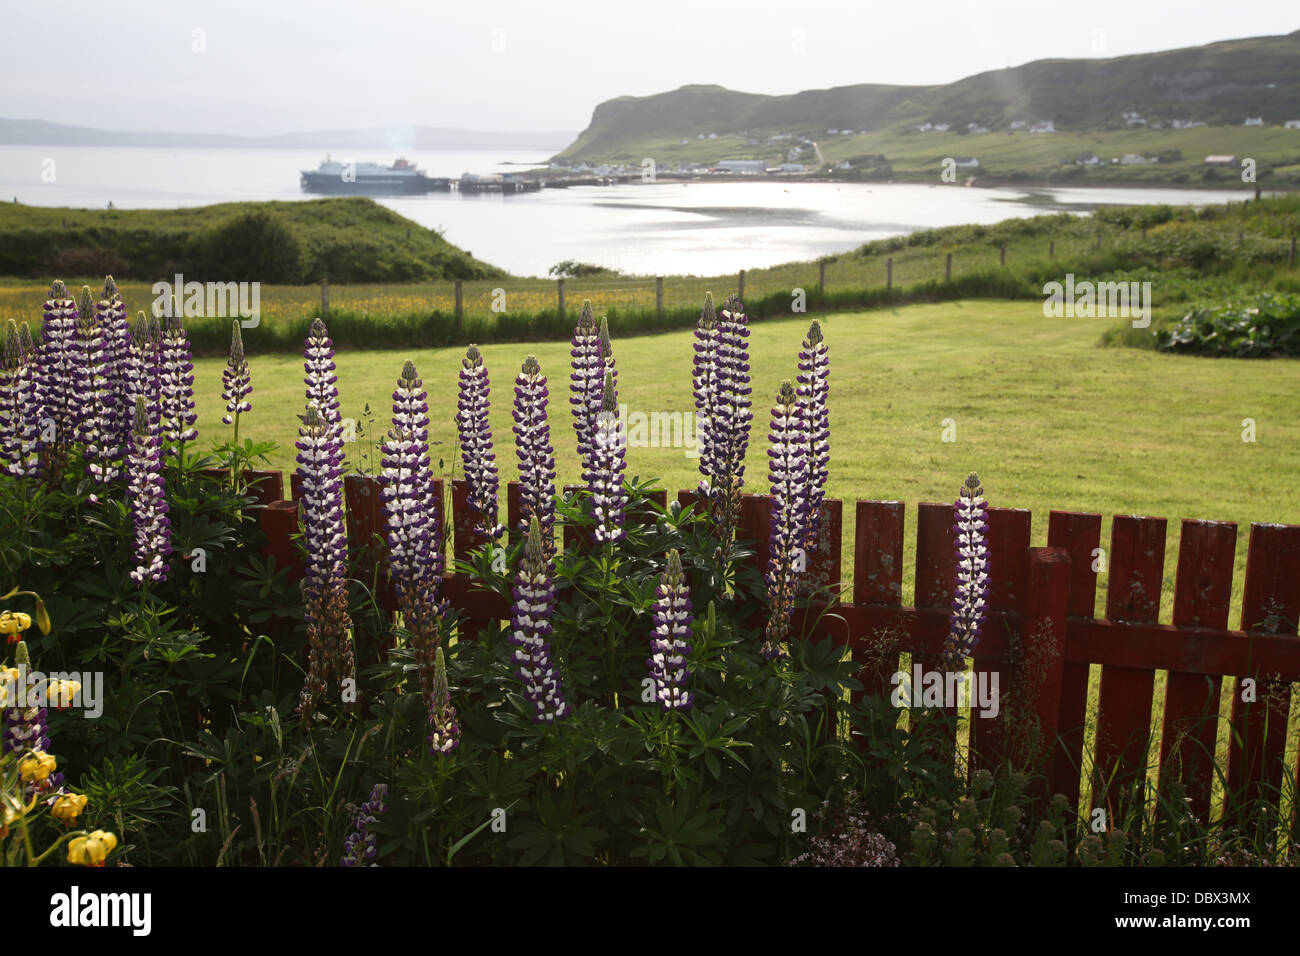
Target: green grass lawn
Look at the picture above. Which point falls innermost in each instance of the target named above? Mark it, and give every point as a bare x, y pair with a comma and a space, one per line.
1047, 418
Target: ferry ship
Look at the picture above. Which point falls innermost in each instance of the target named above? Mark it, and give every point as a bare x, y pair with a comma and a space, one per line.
335, 178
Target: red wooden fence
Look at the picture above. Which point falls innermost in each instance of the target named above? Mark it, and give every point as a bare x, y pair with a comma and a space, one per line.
1041, 634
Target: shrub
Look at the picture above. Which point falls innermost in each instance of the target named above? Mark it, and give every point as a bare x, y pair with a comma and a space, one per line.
255, 247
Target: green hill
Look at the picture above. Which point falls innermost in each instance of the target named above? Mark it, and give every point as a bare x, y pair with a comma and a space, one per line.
352, 239
1219, 85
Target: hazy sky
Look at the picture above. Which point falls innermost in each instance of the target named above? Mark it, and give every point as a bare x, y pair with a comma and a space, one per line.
268, 66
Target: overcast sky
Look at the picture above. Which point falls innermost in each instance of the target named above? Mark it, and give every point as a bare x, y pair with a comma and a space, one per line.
269, 66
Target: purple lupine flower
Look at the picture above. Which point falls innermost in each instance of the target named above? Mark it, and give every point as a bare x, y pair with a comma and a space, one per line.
95, 429
533, 448
672, 628
704, 379
814, 391
444, 736
143, 370
788, 467
605, 475
359, 848
147, 495
530, 621
325, 596
970, 512
587, 381
236, 381
19, 427
119, 409
56, 371
475, 433
322, 378
414, 556
176, 376
732, 414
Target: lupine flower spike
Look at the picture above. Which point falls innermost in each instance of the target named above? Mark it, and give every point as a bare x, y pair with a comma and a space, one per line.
672, 629
732, 413
605, 477
325, 596
147, 495
476, 441
359, 848
704, 379
95, 427
236, 381
534, 603
321, 378
110, 315
971, 593
814, 391
56, 372
788, 467
19, 425
415, 560
533, 448
177, 386
587, 381
444, 736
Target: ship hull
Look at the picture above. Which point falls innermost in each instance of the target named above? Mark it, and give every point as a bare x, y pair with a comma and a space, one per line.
332, 185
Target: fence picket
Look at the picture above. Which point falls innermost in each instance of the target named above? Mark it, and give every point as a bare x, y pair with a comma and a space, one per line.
1202, 592
1270, 604
1137, 563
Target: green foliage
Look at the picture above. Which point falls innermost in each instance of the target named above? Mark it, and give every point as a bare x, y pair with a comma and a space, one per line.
1267, 327
254, 247
568, 268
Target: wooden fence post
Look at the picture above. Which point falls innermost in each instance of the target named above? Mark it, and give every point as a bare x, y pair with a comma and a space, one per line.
889, 273
1051, 249
1290, 261
460, 303
659, 296
324, 298
947, 269
560, 286
821, 277
741, 285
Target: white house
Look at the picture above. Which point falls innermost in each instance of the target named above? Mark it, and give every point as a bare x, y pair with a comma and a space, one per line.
1018, 124
1087, 159
792, 167
1292, 124
966, 162
1132, 159
1254, 121
843, 164
975, 129
1045, 126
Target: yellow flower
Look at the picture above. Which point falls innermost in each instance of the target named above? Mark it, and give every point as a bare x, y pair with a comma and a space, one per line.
37, 766
68, 806
13, 623
59, 693
91, 850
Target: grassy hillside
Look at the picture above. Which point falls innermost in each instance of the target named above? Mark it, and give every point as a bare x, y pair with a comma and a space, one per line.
351, 239
1219, 84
